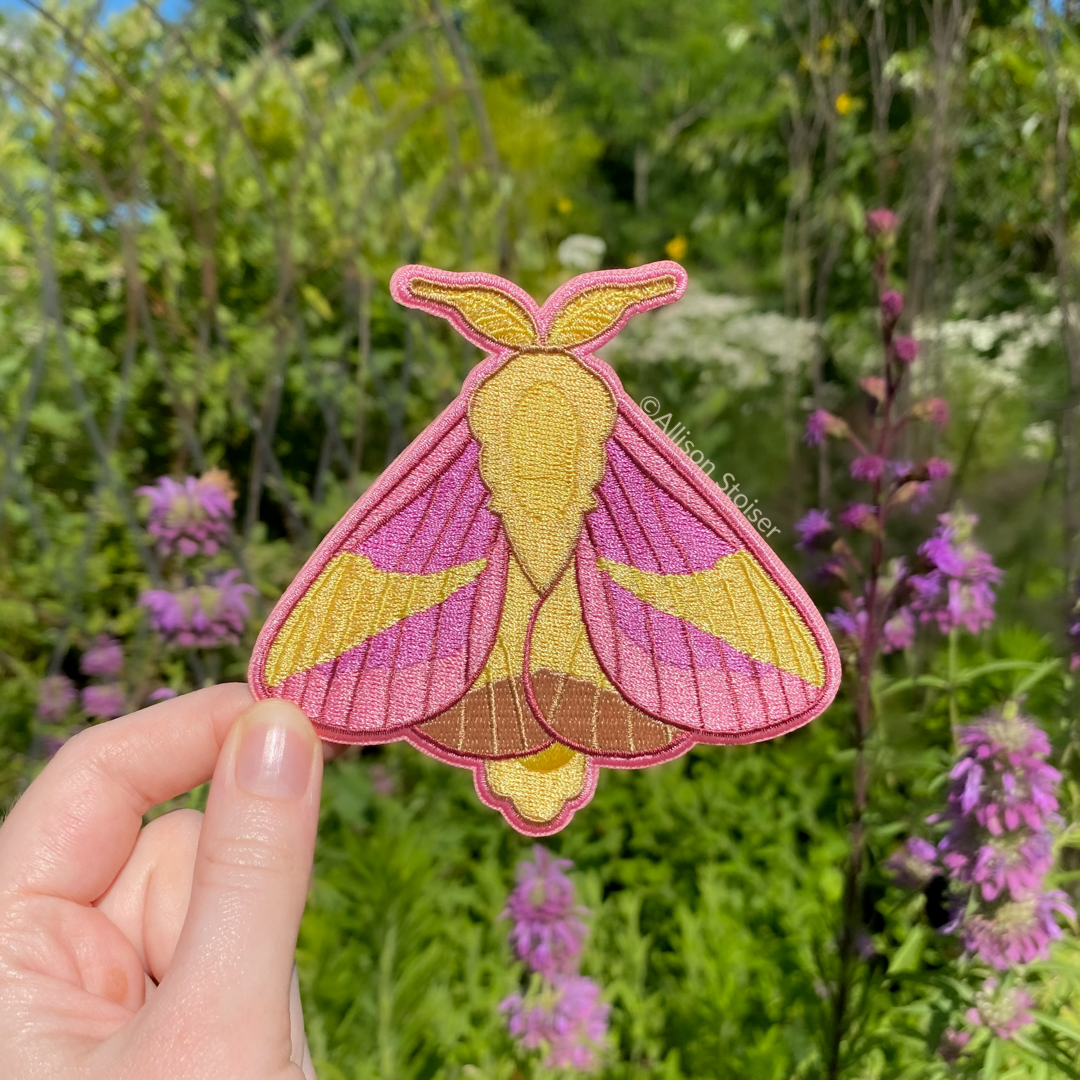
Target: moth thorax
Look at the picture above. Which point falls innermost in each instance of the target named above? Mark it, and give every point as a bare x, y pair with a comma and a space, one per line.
542, 421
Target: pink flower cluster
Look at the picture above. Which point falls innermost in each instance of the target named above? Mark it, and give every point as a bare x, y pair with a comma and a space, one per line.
200, 616
190, 516
562, 1012
1002, 805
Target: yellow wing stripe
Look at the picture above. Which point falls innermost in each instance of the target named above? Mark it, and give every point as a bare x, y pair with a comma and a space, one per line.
496, 315
734, 601
593, 311
351, 601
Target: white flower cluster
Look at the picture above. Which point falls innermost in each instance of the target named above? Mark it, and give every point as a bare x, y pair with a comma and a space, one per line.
993, 350
748, 345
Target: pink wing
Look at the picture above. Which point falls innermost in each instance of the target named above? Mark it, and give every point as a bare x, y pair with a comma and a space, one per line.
690, 614
392, 619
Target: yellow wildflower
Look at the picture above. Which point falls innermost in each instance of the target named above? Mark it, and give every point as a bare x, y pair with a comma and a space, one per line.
676, 247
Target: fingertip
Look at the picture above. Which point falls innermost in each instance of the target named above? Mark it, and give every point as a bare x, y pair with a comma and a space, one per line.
275, 751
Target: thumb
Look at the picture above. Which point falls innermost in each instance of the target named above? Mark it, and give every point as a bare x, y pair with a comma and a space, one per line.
252, 868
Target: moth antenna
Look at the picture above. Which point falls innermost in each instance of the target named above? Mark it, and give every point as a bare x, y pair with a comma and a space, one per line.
591, 308
491, 312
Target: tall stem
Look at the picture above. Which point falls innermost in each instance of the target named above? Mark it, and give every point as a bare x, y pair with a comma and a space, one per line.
866, 660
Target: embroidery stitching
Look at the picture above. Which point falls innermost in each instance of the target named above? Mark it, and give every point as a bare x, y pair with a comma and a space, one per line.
542, 584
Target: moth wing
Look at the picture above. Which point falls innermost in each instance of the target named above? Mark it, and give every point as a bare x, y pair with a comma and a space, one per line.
393, 617
573, 698
691, 615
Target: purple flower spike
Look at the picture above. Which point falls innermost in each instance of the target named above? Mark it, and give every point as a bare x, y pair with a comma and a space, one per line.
548, 932
162, 693
56, 695
203, 616
190, 516
812, 526
892, 306
103, 702
999, 848
869, 467
938, 469
104, 657
1004, 1012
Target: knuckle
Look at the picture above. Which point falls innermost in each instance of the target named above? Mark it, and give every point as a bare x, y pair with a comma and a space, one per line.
244, 862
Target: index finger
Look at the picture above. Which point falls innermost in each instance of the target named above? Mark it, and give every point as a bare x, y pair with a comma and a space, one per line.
74, 828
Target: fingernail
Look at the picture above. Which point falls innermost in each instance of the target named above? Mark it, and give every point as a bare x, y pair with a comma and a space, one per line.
275, 757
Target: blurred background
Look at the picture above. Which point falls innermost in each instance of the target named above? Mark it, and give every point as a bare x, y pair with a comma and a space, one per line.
201, 204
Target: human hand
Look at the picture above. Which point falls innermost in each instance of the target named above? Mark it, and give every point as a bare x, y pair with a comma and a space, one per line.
164, 952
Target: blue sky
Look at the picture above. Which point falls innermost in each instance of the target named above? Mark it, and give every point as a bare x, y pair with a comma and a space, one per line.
169, 8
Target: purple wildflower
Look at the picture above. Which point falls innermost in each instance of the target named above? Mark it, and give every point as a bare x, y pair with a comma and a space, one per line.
1013, 864
938, 469
958, 592
892, 306
915, 863
1002, 803
104, 657
1018, 932
202, 616
952, 1044
812, 526
907, 348
898, 632
548, 932
103, 702
1003, 779
162, 693
821, 424
880, 222
567, 1018
859, 516
851, 624
1004, 1012
868, 467
190, 516
56, 695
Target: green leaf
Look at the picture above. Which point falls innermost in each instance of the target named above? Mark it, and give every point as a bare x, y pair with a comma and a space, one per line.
906, 958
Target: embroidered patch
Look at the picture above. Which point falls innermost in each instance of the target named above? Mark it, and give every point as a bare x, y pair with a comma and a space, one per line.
542, 584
